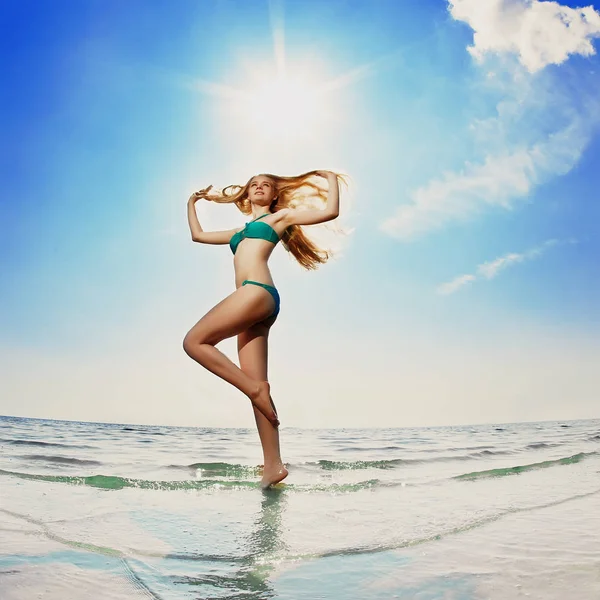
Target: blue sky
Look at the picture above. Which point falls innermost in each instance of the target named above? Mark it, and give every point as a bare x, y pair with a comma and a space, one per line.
466, 288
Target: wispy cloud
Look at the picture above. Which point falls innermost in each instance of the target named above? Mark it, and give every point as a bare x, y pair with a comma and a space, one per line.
452, 286
539, 33
500, 180
489, 270
538, 130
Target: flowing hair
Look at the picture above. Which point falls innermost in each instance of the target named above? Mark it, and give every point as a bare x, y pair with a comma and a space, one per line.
290, 192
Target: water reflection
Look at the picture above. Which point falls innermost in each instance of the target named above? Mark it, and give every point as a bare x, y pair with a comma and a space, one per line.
265, 547
248, 578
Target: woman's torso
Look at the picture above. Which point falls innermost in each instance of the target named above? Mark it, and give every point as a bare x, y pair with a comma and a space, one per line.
252, 254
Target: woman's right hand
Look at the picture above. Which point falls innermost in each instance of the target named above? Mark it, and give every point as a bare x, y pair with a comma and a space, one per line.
200, 194
326, 174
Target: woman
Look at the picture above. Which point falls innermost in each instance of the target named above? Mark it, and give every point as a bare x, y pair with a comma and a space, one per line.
250, 311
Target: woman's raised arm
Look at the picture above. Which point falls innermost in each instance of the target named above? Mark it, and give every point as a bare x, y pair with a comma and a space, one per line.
314, 216
198, 235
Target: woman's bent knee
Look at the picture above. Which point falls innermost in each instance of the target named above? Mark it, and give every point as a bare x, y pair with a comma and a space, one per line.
189, 344
192, 344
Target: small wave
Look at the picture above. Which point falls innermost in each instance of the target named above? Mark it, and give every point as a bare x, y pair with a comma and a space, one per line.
536, 445
349, 448
368, 449
394, 463
335, 465
145, 431
109, 482
65, 460
456, 448
219, 469
43, 444
488, 453
569, 460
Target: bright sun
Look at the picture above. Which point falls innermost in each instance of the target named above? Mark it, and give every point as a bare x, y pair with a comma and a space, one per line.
283, 106
290, 102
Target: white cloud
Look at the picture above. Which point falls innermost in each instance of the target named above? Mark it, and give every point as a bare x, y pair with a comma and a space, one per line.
452, 286
539, 128
489, 270
500, 181
539, 33
459, 195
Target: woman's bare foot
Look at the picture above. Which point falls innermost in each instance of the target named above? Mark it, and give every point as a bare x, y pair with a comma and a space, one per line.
273, 474
262, 400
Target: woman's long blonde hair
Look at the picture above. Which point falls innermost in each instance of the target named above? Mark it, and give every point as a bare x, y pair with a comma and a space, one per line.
290, 192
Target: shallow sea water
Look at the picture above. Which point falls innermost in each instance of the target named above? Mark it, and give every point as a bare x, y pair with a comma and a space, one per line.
91, 510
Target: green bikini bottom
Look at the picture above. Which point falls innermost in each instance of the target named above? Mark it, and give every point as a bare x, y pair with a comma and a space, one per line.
273, 291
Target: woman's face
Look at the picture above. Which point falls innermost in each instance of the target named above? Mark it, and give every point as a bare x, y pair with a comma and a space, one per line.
261, 190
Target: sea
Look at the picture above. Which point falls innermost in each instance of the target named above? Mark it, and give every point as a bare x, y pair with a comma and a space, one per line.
113, 512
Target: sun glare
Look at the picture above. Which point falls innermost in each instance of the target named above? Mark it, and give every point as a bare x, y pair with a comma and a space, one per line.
283, 106
294, 102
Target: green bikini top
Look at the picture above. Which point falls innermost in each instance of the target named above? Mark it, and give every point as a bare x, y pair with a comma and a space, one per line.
254, 229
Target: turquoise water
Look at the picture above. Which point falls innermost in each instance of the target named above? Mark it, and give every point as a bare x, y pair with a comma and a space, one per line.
92, 510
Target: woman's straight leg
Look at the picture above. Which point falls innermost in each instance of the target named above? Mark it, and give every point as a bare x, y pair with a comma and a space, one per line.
253, 355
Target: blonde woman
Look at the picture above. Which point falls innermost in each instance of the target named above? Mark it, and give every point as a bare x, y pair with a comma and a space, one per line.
279, 206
